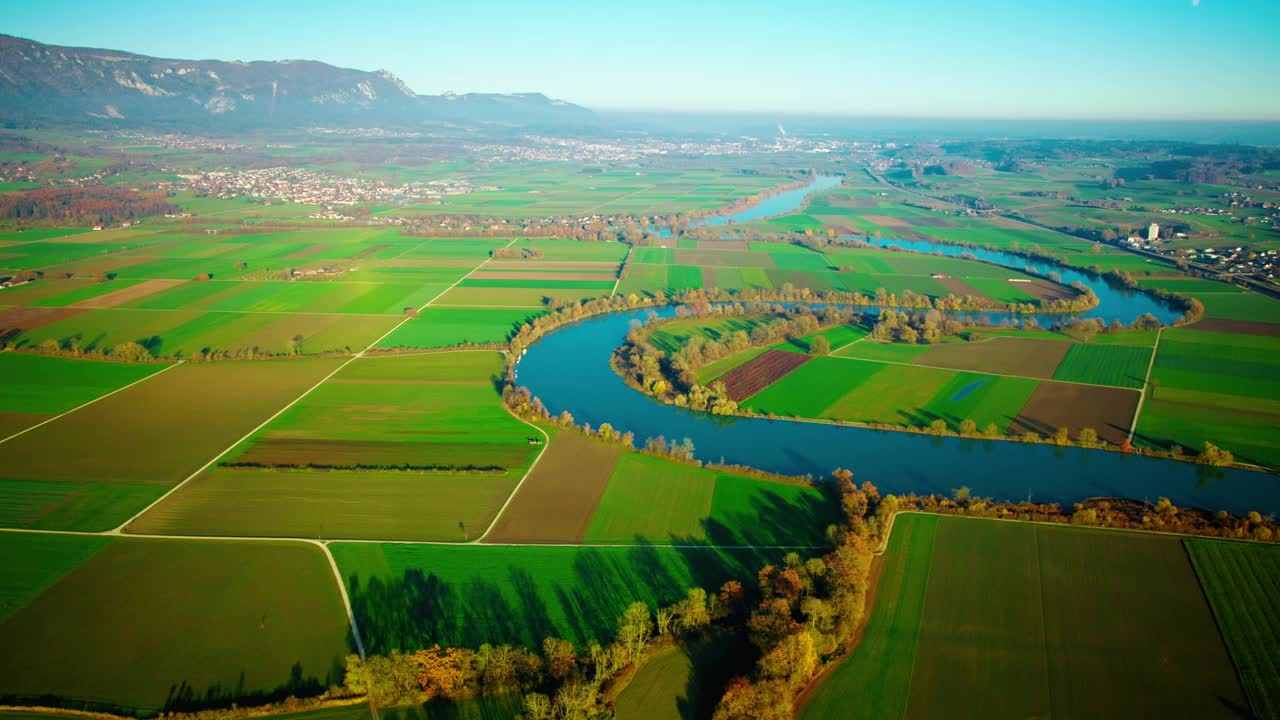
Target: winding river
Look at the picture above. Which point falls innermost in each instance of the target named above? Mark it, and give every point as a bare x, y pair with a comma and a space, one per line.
568, 369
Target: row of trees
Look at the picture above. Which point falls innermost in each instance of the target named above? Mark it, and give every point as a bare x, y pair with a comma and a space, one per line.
1161, 516
93, 205
809, 609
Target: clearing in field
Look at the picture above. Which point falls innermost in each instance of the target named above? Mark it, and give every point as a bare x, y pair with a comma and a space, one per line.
188, 623
560, 495
93, 468
413, 596
1022, 620
1240, 581
1056, 405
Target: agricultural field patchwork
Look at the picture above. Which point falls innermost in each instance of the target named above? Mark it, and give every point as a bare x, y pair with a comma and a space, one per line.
423, 437
1217, 387
93, 468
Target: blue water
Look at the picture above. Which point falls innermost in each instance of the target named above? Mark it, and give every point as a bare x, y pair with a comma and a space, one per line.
782, 203
569, 370
968, 390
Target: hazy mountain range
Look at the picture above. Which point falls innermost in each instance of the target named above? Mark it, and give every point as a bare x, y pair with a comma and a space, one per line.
50, 84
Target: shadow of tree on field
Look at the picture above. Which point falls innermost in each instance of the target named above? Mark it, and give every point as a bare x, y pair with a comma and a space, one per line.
579, 600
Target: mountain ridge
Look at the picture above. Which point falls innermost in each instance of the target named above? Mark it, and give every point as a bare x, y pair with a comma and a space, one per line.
42, 83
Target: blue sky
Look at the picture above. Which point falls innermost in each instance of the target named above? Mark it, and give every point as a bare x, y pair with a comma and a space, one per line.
976, 58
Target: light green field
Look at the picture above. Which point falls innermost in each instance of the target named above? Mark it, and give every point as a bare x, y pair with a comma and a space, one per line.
866, 391
50, 385
1034, 621
255, 620
444, 327
1118, 365
425, 412
654, 500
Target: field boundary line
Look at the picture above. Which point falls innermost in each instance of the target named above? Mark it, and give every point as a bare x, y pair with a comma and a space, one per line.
622, 266
546, 445
1146, 383
851, 342
120, 529
924, 608
371, 541
346, 599
86, 404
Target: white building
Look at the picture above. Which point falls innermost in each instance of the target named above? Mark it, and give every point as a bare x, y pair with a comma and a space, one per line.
1153, 233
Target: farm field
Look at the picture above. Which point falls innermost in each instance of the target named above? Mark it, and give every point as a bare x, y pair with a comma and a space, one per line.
412, 596
556, 501
868, 391
1238, 580
282, 293
95, 467
1217, 387
1035, 620
438, 327
35, 388
544, 189
422, 437
650, 499
256, 619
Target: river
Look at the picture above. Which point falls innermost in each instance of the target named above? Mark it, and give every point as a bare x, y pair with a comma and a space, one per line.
568, 369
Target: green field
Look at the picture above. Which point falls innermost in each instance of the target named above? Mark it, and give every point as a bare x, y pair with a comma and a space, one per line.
422, 439
653, 500
412, 596
33, 388
443, 327
187, 623
1217, 387
685, 681
867, 391
1118, 365
93, 468
1240, 581
875, 680
1021, 620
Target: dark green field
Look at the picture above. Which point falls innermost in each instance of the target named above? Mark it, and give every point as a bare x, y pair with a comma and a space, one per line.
1020, 620
1240, 581
185, 623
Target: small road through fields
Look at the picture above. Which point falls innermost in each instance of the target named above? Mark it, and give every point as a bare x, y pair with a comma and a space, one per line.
1146, 383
